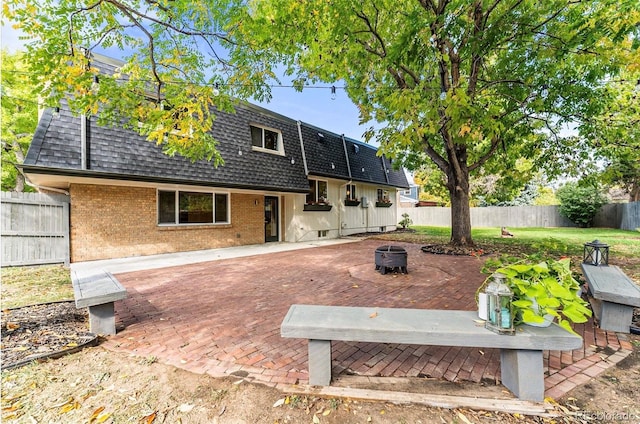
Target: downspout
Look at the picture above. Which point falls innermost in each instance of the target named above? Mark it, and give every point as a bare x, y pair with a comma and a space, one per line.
386, 171
304, 156
83, 142
346, 156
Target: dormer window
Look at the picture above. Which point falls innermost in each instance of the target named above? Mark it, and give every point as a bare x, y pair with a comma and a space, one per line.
266, 139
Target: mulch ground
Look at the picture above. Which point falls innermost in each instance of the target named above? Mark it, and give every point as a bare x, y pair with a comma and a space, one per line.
43, 331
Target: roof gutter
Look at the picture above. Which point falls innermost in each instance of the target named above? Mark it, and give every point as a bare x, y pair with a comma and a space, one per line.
77, 173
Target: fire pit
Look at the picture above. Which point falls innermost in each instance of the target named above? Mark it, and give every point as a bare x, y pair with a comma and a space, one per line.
392, 258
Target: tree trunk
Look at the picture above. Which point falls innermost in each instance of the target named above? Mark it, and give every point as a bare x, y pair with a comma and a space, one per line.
460, 210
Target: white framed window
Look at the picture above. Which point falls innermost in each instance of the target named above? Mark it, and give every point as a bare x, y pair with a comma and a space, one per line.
318, 192
266, 139
383, 196
176, 207
352, 194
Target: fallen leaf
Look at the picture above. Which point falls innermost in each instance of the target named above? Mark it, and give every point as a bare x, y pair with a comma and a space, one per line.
104, 417
12, 326
464, 418
186, 407
355, 286
316, 420
149, 418
95, 414
326, 412
373, 315
279, 402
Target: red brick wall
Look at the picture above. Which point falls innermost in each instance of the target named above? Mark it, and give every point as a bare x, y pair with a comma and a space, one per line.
114, 222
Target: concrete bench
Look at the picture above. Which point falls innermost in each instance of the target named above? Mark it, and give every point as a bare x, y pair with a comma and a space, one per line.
521, 362
98, 292
613, 296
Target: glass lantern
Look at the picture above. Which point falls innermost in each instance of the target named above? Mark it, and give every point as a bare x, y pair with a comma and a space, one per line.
596, 253
499, 306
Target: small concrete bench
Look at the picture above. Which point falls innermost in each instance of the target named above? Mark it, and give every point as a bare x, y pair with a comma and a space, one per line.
613, 296
98, 292
521, 362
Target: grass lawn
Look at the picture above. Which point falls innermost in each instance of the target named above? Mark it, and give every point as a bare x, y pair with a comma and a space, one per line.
28, 285
624, 246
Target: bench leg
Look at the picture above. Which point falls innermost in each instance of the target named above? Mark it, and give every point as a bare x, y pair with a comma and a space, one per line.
615, 317
523, 373
102, 319
319, 362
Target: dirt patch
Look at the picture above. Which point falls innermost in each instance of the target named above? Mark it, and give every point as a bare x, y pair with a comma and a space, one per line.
40, 331
611, 397
446, 249
116, 388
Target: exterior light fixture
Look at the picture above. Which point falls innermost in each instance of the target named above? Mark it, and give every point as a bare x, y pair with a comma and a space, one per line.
333, 92
596, 253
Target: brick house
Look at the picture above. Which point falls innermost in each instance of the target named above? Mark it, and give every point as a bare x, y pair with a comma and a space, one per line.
282, 181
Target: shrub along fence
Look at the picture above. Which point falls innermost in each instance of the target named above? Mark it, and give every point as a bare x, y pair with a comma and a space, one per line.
35, 228
624, 216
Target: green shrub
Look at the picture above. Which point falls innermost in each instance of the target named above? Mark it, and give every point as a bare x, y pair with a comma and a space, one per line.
580, 203
406, 221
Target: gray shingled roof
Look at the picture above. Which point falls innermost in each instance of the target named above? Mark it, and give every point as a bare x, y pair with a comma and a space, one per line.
116, 153
326, 157
324, 152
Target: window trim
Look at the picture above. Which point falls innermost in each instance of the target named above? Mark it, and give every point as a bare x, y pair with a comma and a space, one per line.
316, 201
280, 147
176, 211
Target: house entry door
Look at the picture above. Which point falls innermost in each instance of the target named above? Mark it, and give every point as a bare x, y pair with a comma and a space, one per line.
271, 219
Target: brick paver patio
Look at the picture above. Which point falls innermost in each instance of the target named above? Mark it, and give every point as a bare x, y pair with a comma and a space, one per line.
223, 317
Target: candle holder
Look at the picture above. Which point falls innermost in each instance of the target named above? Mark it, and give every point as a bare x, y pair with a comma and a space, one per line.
499, 306
596, 253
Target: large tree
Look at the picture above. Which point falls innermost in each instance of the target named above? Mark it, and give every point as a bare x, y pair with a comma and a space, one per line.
614, 133
18, 119
465, 84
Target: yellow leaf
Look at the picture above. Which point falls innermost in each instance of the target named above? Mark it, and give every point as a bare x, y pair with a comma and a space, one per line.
373, 315
104, 417
316, 420
327, 412
72, 344
66, 408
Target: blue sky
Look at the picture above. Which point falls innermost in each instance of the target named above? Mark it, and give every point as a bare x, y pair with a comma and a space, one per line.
313, 106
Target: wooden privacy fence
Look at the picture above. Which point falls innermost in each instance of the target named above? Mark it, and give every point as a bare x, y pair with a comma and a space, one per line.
624, 216
35, 228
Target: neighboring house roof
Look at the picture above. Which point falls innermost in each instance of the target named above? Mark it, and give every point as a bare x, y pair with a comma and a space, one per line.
119, 154
407, 199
